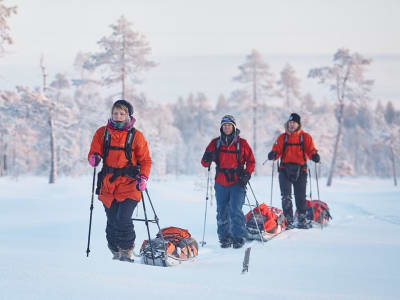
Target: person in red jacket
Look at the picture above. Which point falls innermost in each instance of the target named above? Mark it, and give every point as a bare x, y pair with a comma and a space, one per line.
235, 164
126, 168
294, 147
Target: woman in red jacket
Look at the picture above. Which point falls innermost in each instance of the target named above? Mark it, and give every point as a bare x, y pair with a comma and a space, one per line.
294, 147
126, 168
235, 163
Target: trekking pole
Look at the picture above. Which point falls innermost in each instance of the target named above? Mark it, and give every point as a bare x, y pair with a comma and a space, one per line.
205, 213
309, 175
255, 198
316, 178
272, 182
91, 211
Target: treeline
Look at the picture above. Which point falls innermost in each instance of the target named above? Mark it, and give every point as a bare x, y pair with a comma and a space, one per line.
47, 129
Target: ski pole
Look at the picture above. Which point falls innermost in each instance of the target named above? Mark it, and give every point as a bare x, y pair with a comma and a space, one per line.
255, 198
272, 181
205, 213
309, 175
316, 178
91, 211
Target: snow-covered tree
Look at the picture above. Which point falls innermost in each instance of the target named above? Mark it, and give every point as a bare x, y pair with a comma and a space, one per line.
5, 36
346, 79
123, 56
257, 77
289, 86
390, 118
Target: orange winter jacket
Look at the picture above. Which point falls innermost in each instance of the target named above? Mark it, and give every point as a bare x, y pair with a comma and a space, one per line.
293, 152
122, 187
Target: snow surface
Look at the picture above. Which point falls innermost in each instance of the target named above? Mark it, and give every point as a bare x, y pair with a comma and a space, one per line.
43, 238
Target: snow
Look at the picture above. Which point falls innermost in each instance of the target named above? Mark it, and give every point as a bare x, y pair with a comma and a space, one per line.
43, 238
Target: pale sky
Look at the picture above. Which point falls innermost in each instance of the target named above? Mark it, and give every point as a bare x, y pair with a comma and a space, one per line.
59, 29
210, 27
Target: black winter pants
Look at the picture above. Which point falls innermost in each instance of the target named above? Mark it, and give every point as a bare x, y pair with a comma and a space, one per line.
299, 193
119, 231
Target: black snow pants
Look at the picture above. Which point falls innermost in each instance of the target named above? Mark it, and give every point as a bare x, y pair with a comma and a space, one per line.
119, 231
299, 187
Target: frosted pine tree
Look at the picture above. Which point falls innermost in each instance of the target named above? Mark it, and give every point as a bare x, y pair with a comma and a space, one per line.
289, 87
257, 77
5, 35
346, 79
393, 123
122, 56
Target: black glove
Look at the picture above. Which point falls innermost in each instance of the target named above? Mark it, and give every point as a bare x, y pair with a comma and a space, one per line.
315, 157
272, 155
209, 156
244, 178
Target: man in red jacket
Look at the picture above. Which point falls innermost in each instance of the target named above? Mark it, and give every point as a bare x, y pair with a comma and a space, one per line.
294, 147
235, 163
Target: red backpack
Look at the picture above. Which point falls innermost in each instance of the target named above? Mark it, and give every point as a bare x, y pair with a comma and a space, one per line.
318, 211
179, 245
268, 219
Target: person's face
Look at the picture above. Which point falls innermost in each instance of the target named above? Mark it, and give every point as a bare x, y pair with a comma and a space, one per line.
118, 115
227, 128
292, 126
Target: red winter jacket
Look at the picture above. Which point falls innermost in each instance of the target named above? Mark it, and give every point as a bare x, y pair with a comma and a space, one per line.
294, 153
229, 160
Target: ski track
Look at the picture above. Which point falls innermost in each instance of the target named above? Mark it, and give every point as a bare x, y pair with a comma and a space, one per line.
390, 219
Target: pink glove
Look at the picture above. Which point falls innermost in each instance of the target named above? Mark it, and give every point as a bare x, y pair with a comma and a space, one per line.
141, 182
94, 160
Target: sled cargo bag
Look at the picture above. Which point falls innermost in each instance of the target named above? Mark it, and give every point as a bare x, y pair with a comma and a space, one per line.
270, 222
171, 246
318, 212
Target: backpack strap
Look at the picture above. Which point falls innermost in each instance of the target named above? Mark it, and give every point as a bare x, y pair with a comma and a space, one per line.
129, 170
229, 172
301, 144
128, 145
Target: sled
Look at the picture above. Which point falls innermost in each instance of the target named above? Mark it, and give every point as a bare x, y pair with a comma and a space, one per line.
317, 213
264, 222
172, 246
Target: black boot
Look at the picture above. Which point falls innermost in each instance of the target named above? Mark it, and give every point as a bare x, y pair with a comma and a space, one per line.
289, 224
225, 242
303, 223
238, 243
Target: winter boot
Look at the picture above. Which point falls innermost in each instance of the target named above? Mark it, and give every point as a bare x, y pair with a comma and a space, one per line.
126, 254
289, 225
225, 242
238, 243
114, 251
289, 222
302, 222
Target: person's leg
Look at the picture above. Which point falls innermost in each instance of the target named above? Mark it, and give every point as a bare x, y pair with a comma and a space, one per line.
286, 194
111, 228
300, 187
125, 233
222, 197
238, 224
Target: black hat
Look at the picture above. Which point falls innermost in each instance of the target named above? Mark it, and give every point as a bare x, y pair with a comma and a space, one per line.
124, 103
228, 119
295, 118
